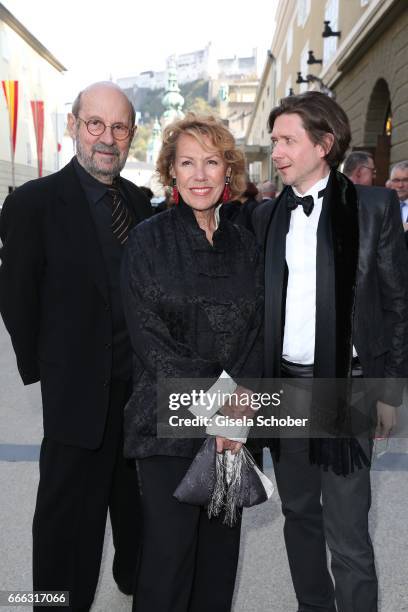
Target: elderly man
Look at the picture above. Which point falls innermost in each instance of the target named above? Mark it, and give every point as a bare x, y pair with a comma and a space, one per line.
63, 238
399, 182
359, 167
267, 190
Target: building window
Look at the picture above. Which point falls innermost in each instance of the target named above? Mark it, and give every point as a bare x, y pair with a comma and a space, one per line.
303, 11
4, 44
288, 86
255, 170
289, 43
29, 154
278, 70
304, 67
388, 122
331, 14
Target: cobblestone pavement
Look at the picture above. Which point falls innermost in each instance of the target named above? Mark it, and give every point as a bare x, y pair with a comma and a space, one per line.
263, 583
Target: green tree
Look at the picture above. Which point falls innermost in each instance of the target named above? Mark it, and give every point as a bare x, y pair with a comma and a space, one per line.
200, 107
138, 147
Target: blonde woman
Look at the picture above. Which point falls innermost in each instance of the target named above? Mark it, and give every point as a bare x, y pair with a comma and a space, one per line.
193, 300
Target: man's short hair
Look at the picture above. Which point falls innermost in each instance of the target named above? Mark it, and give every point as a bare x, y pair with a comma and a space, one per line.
354, 160
402, 165
267, 187
76, 107
320, 115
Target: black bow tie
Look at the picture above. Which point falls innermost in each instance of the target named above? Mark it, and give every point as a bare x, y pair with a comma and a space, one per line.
294, 201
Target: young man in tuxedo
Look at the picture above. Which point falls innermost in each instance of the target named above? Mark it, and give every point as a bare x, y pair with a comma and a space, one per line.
63, 237
336, 303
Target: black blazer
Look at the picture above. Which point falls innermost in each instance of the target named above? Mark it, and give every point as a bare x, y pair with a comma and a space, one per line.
362, 283
193, 310
54, 300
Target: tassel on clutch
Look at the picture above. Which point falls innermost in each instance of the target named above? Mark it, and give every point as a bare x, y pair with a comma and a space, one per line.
223, 482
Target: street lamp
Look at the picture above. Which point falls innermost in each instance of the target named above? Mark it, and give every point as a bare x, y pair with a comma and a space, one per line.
313, 60
300, 79
328, 32
311, 78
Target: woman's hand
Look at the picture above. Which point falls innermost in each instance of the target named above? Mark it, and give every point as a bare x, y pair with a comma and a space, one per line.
239, 404
223, 444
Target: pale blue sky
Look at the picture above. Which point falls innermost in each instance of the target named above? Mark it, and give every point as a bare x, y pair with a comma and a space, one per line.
96, 39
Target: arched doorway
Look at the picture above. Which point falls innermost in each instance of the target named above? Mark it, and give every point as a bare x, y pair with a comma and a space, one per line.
378, 128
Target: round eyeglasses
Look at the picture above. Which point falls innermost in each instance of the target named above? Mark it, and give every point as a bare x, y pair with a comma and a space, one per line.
96, 127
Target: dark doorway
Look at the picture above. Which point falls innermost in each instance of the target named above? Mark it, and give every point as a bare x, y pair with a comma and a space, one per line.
378, 129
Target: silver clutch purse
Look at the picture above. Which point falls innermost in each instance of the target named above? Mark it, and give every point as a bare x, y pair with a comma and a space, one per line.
223, 482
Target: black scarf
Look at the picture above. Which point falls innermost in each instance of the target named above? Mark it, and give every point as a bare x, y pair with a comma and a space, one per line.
336, 270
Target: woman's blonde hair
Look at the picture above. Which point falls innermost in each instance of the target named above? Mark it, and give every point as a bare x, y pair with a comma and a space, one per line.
219, 136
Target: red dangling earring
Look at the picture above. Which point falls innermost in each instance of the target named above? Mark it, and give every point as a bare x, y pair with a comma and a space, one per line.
226, 194
175, 192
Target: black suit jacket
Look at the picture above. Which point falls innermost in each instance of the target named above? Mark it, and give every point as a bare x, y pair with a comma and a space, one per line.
362, 283
54, 300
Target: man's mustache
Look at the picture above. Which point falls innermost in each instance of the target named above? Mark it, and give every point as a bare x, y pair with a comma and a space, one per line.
101, 148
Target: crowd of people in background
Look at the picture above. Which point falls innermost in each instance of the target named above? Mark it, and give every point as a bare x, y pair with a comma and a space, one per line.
358, 166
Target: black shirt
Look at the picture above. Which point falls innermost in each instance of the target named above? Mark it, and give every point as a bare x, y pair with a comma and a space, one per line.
101, 211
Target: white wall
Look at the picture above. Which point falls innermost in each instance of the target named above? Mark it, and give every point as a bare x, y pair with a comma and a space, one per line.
38, 80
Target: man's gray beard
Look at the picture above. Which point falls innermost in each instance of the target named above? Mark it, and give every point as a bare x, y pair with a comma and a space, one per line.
88, 162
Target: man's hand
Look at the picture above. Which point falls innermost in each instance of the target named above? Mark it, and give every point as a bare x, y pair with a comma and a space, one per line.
223, 444
405, 226
386, 420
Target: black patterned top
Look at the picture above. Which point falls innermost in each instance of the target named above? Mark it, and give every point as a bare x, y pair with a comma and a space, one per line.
193, 310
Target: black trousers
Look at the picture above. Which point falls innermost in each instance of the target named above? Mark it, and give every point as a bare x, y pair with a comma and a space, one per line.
320, 506
76, 488
188, 561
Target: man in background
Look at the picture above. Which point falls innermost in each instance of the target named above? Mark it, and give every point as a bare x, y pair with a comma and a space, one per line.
359, 167
63, 237
267, 190
399, 181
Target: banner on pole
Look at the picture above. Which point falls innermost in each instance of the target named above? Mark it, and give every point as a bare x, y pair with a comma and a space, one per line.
10, 89
37, 107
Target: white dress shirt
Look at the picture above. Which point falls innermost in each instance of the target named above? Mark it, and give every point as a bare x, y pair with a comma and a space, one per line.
301, 245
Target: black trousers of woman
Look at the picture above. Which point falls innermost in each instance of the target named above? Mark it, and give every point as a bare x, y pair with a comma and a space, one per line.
188, 561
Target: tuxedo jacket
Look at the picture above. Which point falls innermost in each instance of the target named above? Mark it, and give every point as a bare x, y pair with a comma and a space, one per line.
361, 282
55, 303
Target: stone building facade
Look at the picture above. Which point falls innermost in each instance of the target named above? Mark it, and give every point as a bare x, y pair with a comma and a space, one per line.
257, 147
38, 74
362, 60
370, 78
